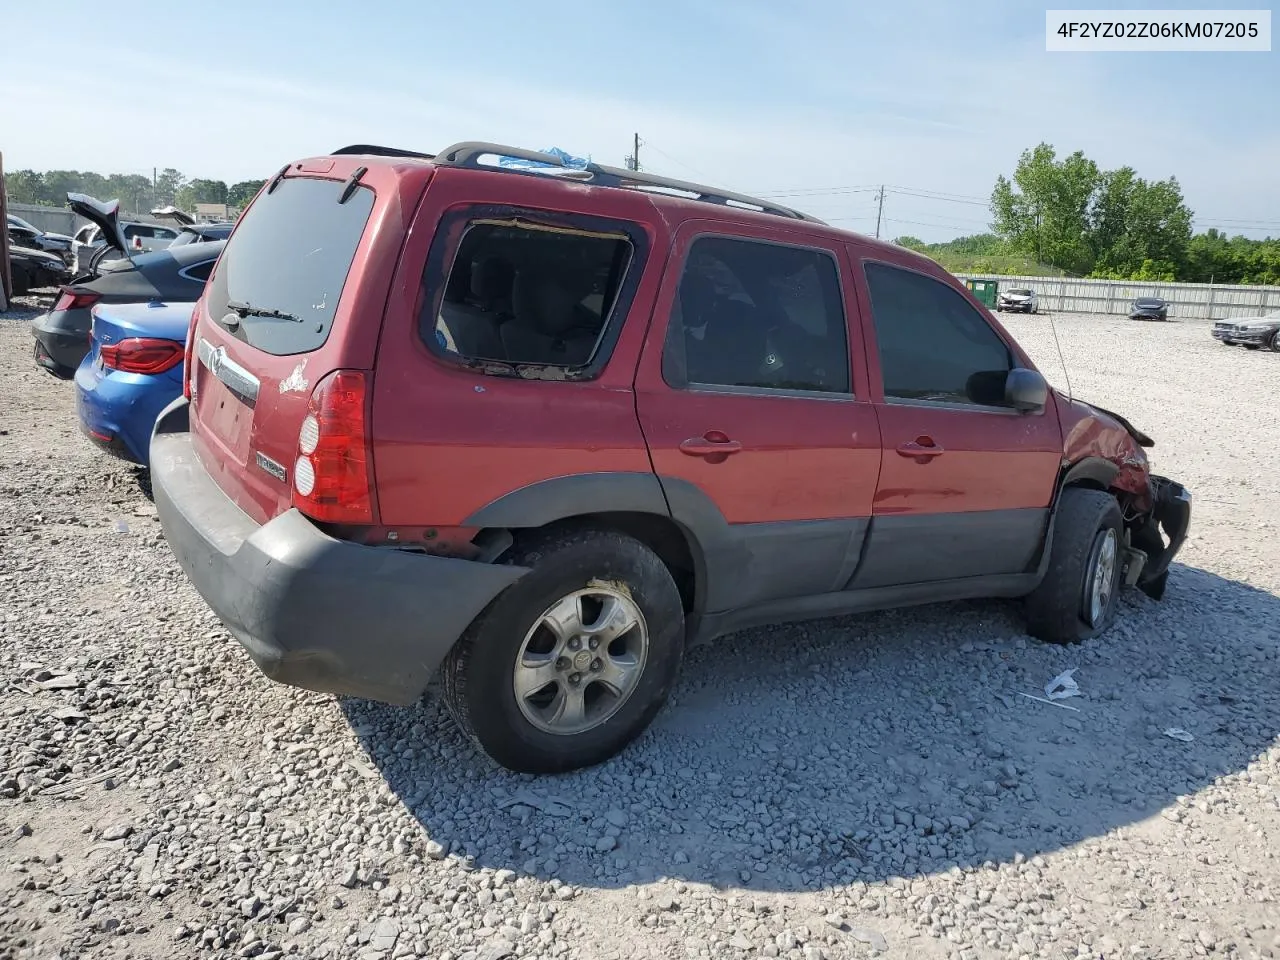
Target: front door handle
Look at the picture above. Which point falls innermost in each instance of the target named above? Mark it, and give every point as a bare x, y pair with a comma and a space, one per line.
713, 445
921, 449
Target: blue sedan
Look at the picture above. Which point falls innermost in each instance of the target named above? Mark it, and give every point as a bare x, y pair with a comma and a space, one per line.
132, 371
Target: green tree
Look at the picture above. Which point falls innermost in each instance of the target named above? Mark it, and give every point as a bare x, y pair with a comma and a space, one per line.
24, 186
1137, 223
239, 194
1044, 211
168, 183
911, 243
201, 191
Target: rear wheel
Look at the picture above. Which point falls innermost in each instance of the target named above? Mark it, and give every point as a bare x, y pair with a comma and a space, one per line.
1253, 346
1275, 342
573, 661
1077, 598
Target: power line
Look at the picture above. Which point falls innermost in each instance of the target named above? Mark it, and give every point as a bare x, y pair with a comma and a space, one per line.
933, 223
928, 196
780, 194
941, 194
679, 163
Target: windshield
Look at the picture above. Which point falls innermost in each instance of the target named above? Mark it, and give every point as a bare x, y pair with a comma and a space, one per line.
19, 222
1020, 293
290, 257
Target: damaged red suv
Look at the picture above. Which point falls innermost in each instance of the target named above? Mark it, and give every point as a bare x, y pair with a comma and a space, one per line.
537, 429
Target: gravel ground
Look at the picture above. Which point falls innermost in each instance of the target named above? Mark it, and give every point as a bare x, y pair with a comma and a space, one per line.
870, 786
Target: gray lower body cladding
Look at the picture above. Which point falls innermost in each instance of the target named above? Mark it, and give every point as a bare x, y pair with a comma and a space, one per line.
313, 611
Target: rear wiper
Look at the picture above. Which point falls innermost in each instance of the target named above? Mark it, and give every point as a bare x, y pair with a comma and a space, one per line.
242, 310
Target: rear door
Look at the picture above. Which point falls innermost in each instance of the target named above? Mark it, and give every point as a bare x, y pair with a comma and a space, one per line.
965, 481
753, 398
321, 266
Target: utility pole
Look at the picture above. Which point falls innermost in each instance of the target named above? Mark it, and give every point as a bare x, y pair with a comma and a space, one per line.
633, 161
155, 188
879, 209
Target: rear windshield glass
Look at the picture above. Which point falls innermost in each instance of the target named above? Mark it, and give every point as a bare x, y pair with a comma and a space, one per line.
290, 256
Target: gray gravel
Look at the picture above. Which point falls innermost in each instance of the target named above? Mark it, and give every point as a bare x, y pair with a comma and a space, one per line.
870, 786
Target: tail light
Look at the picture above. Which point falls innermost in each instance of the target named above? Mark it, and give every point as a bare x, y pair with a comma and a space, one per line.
71, 299
331, 477
141, 355
188, 371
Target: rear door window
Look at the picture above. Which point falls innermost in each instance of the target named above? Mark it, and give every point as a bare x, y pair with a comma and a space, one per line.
764, 316
531, 289
291, 256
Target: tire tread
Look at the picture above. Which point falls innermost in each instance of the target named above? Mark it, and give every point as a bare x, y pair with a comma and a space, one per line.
1053, 608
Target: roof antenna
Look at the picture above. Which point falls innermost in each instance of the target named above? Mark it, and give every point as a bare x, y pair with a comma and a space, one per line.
1061, 359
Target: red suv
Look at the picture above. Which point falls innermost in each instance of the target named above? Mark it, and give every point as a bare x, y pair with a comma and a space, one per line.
539, 428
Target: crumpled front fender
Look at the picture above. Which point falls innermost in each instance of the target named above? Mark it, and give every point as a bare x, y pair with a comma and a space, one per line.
1092, 433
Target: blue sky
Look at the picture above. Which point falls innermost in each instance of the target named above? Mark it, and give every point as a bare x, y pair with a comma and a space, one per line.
763, 97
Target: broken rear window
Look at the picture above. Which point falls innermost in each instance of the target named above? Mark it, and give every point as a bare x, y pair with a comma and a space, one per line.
521, 292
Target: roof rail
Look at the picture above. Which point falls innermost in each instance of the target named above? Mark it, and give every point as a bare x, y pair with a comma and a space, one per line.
369, 150
468, 154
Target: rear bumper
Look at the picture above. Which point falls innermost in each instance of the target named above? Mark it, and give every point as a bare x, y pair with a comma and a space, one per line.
117, 410
62, 340
313, 611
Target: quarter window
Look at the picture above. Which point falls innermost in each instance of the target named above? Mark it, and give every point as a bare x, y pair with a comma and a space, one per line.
522, 292
933, 344
758, 315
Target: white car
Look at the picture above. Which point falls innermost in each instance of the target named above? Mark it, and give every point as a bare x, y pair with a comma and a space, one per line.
1020, 299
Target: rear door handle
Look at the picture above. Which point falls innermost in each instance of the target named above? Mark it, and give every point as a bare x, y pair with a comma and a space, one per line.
712, 444
921, 449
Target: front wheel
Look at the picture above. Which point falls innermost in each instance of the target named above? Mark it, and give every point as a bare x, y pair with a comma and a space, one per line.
1077, 598
1275, 342
573, 661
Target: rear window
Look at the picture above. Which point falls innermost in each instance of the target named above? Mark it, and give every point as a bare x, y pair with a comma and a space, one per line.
291, 255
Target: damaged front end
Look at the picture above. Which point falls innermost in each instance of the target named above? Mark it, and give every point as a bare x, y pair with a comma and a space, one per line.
1156, 537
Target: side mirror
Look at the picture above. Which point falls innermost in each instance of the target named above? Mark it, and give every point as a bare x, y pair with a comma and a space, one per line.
1026, 390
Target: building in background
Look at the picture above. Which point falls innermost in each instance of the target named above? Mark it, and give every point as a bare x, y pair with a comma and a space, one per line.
215, 213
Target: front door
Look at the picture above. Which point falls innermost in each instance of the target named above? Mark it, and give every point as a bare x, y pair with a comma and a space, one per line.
965, 481
752, 396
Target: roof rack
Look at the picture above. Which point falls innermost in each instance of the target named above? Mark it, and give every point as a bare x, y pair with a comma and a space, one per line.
467, 155
369, 150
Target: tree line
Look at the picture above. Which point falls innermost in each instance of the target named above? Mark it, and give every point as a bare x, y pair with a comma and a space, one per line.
1068, 216
136, 193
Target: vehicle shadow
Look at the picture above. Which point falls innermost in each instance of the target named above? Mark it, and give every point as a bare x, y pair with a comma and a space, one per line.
142, 479
869, 747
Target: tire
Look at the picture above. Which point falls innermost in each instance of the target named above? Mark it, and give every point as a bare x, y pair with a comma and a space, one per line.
1253, 346
1059, 609
1275, 342
578, 570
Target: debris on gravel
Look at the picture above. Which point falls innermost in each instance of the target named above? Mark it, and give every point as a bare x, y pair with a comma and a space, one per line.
869, 786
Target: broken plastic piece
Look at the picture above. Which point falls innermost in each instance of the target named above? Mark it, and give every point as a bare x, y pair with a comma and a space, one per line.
1177, 733
1062, 686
